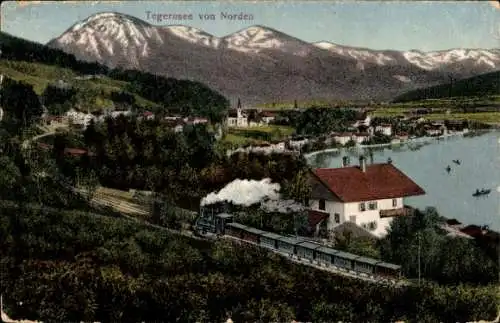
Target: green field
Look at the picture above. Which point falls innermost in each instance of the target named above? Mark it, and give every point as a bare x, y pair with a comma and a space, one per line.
95, 92
483, 117
254, 135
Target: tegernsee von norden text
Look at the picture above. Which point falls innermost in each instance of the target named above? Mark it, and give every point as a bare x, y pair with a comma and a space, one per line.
160, 17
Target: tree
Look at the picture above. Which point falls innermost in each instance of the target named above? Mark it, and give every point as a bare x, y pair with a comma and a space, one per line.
298, 189
89, 181
20, 103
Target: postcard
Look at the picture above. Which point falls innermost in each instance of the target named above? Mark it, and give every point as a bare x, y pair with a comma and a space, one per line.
237, 161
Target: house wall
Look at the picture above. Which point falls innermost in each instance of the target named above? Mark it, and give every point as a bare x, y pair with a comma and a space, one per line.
367, 216
347, 210
267, 120
384, 130
360, 139
342, 140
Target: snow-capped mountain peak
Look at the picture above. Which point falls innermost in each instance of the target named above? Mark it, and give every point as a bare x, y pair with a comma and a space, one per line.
488, 58
253, 39
436, 59
194, 35
362, 55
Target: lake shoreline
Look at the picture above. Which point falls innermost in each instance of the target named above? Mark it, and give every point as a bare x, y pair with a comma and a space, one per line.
449, 191
405, 142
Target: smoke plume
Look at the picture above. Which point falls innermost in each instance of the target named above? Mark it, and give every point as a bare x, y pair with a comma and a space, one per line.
282, 206
250, 192
244, 192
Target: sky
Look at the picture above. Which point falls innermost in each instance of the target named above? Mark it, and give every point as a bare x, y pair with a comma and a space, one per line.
406, 25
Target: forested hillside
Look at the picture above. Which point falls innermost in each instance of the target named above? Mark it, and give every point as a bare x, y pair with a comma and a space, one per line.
477, 86
71, 266
41, 66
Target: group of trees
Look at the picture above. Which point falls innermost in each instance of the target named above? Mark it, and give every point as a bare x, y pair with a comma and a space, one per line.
20, 104
446, 260
181, 96
318, 121
58, 99
184, 166
74, 266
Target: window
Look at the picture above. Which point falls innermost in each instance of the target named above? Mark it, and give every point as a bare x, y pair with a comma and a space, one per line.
372, 205
362, 207
352, 218
394, 202
306, 201
337, 217
322, 205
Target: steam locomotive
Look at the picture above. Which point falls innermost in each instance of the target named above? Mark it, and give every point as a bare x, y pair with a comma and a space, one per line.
215, 222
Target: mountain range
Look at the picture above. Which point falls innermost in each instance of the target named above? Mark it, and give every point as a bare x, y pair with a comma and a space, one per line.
261, 65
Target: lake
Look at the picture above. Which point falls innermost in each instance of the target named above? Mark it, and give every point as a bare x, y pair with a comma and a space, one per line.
425, 162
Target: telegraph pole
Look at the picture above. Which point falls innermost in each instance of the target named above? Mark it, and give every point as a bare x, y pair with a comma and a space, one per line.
418, 237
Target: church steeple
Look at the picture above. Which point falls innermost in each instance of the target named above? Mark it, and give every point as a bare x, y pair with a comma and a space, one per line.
239, 104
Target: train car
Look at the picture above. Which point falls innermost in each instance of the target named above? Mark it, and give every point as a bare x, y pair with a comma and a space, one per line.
344, 260
324, 256
287, 245
365, 265
252, 235
305, 250
270, 240
235, 229
387, 270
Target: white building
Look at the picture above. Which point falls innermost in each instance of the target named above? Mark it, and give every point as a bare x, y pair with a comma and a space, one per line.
237, 118
79, 118
362, 119
343, 137
370, 196
267, 117
385, 129
195, 120
361, 138
297, 144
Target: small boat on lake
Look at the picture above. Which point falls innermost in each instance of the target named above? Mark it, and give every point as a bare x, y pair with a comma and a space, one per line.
448, 169
481, 192
456, 161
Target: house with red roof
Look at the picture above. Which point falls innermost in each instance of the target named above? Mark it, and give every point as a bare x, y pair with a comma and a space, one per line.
370, 196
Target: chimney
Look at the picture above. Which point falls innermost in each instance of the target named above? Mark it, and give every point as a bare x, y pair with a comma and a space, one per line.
362, 163
345, 161
389, 160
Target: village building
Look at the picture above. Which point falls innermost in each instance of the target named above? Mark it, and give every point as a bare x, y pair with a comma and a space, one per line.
434, 130
79, 118
363, 119
343, 137
237, 117
195, 120
385, 129
297, 143
177, 125
361, 138
370, 196
267, 117
148, 115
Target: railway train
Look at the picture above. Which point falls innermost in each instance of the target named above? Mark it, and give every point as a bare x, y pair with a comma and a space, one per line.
216, 223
